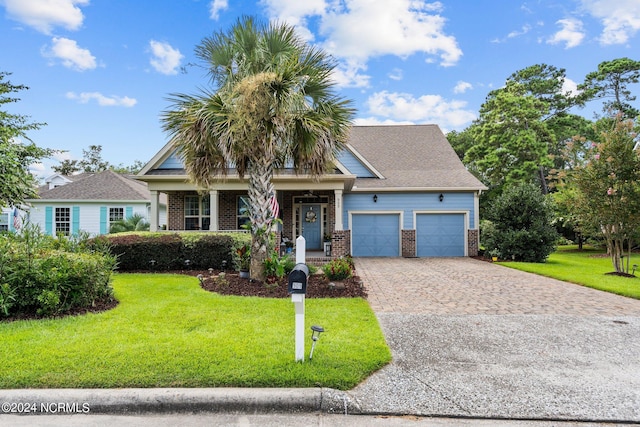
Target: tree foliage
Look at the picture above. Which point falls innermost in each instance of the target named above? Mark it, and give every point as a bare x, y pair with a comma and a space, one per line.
17, 151
611, 81
608, 189
521, 226
135, 222
522, 127
273, 102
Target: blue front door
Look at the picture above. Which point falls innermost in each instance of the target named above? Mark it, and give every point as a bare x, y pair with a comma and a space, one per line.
312, 226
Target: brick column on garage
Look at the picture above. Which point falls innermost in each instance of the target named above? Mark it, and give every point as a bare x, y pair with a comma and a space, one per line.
409, 243
340, 243
473, 244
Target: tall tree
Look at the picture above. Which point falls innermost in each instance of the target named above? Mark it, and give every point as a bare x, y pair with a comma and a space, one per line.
523, 126
67, 167
611, 81
608, 189
17, 151
273, 102
92, 160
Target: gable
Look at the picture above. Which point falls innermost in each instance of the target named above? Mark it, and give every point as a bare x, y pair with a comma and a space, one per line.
354, 165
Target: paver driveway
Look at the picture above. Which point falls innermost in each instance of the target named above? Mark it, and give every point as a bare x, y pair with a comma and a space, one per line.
474, 339
469, 286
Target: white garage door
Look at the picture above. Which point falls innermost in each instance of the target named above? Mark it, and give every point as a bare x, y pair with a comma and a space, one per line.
375, 235
440, 235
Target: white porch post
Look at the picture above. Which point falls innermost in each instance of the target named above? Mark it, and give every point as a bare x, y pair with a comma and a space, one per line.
338, 212
213, 210
155, 210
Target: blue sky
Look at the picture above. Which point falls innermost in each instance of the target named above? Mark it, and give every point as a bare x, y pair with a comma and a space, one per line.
100, 71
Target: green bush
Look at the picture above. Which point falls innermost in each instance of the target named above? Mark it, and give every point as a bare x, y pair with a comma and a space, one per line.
338, 269
47, 276
522, 230
172, 251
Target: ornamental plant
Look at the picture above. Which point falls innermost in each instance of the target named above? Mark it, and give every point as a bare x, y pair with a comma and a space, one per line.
608, 189
338, 269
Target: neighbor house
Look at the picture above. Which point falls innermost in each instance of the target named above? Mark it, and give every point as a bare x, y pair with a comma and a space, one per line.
394, 191
91, 202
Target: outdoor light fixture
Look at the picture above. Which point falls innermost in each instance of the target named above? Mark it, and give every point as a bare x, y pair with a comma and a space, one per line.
153, 263
187, 262
315, 335
224, 264
375, 198
441, 197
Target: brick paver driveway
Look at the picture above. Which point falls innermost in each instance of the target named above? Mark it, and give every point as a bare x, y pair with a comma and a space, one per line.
469, 286
474, 339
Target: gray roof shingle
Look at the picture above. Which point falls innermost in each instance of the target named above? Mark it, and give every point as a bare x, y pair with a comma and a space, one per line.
410, 156
106, 185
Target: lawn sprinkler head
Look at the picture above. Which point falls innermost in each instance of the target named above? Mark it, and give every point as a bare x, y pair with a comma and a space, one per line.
315, 336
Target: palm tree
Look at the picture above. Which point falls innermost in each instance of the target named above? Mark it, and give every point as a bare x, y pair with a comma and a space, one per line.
136, 222
273, 105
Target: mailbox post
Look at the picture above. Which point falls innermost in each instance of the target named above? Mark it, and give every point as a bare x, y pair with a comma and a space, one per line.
298, 288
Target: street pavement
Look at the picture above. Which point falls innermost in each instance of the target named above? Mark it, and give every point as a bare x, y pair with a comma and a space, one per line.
473, 343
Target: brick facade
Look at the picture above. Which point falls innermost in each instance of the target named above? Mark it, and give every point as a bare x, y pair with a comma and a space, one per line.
473, 242
341, 243
408, 243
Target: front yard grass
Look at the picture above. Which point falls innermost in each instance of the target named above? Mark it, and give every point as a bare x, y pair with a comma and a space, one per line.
587, 267
168, 332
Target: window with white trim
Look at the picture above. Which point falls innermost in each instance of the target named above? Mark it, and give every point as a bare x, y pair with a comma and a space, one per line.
4, 222
63, 221
242, 211
115, 215
197, 212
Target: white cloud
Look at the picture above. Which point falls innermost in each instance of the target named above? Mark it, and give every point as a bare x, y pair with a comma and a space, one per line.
71, 55
348, 74
165, 59
462, 87
620, 18
404, 107
572, 33
217, 6
569, 87
396, 74
44, 15
103, 101
357, 30
524, 30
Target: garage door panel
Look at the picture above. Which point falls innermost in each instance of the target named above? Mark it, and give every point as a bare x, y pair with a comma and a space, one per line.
440, 235
375, 235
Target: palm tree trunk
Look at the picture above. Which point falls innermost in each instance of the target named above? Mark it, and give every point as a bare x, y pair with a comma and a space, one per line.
260, 189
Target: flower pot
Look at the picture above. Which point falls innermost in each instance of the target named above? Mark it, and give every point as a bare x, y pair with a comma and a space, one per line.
244, 274
494, 258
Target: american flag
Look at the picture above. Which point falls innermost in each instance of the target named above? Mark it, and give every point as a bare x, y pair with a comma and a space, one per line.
274, 206
16, 219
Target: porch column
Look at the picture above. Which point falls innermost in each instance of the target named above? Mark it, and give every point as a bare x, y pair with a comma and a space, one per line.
338, 212
213, 210
155, 211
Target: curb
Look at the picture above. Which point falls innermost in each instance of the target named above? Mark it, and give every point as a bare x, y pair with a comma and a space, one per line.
175, 400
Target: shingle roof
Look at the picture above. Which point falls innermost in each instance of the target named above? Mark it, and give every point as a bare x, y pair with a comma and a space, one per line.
106, 185
410, 156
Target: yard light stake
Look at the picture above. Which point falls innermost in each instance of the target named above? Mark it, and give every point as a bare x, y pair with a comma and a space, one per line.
315, 336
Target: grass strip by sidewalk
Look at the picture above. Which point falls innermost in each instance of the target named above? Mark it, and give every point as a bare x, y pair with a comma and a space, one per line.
168, 332
587, 267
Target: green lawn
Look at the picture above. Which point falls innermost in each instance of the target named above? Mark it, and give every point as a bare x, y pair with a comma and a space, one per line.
587, 267
168, 332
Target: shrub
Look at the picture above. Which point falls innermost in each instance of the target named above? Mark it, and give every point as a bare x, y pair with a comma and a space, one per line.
522, 231
41, 276
338, 269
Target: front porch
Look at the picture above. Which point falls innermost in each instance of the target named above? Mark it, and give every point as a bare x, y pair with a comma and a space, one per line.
315, 214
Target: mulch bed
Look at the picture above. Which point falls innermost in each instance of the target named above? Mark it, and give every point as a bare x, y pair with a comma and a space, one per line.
318, 286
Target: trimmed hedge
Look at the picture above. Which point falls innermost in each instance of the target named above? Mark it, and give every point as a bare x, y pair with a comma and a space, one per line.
162, 251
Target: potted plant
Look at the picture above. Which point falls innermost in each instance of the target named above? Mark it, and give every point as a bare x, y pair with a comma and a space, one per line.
495, 253
243, 260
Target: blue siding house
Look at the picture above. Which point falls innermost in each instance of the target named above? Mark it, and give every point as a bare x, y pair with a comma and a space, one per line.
394, 191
